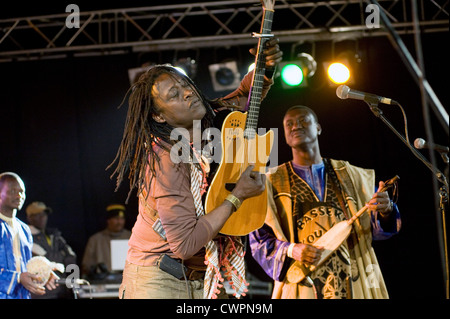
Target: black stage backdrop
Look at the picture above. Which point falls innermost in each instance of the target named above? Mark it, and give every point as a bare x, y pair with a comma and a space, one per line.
61, 127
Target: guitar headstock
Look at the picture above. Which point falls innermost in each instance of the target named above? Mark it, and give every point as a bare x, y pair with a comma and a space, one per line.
268, 4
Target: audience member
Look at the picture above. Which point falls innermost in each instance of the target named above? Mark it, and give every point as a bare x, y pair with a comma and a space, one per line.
48, 242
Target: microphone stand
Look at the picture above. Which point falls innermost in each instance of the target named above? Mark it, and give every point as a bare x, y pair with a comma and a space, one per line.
75, 289
373, 104
427, 94
414, 69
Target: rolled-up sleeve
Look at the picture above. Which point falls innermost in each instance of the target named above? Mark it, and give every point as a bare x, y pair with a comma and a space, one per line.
186, 234
385, 228
239, 97
382, 230
269, 252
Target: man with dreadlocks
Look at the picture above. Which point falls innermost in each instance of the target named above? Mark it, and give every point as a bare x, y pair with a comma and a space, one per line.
174, 250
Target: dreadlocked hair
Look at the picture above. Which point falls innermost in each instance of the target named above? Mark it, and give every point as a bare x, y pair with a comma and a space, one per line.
142, 133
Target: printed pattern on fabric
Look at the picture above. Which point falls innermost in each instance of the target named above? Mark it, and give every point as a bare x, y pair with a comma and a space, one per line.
227, 253
313, 219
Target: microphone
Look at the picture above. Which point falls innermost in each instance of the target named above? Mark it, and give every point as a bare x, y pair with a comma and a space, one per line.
344, 92
420, 143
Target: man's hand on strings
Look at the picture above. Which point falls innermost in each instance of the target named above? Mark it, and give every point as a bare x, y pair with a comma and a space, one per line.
307, 254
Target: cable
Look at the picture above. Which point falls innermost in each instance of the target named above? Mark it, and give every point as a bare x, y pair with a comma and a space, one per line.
405, 121
188, 286
90, 288
311, 282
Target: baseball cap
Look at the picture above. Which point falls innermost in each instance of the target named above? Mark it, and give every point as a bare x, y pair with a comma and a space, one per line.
37, 207
115, 210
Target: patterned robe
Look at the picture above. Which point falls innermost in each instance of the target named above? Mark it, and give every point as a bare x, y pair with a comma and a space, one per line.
296, 215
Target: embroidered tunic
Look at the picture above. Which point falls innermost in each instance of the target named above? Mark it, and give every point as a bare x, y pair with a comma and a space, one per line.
305, 219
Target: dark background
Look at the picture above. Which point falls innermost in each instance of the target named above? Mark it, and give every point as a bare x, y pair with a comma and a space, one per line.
61, 127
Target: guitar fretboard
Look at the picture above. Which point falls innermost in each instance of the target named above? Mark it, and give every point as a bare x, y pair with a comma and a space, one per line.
258, 77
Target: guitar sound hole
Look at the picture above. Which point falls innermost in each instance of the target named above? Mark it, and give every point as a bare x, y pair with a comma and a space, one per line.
230, 186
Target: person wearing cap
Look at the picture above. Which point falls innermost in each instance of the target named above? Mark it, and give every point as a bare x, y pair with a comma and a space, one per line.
97, 254
49, 242
15, 243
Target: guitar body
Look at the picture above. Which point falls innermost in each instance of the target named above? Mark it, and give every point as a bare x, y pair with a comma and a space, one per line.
237, 153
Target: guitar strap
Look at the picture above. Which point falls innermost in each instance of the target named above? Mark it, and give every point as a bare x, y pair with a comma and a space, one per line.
336, 187
227, 255
352, 239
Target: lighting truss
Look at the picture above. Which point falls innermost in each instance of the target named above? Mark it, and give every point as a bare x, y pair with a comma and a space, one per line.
203, 24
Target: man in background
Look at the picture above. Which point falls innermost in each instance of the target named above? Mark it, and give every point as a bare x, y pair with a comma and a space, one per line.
49, 242
96, 262
15, 243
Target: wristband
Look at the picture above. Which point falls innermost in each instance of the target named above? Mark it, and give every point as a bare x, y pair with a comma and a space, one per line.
289, 251
234, 200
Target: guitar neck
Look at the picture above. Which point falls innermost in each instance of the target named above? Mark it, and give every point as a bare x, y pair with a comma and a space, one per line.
258, 76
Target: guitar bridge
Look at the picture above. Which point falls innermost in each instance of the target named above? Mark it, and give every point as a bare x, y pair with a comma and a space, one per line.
230, 186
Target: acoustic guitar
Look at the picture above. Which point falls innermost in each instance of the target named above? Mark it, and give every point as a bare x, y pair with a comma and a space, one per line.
241, 146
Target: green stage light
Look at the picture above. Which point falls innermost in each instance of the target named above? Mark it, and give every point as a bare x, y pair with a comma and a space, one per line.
297, 72
292, 74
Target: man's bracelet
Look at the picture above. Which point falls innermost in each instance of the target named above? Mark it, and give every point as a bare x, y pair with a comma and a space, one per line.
234, 200
289, 251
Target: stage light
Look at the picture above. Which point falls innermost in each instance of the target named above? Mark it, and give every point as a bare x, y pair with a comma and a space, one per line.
187, 66
338, 73
225, 76
343, 66
292, 74
295, 73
